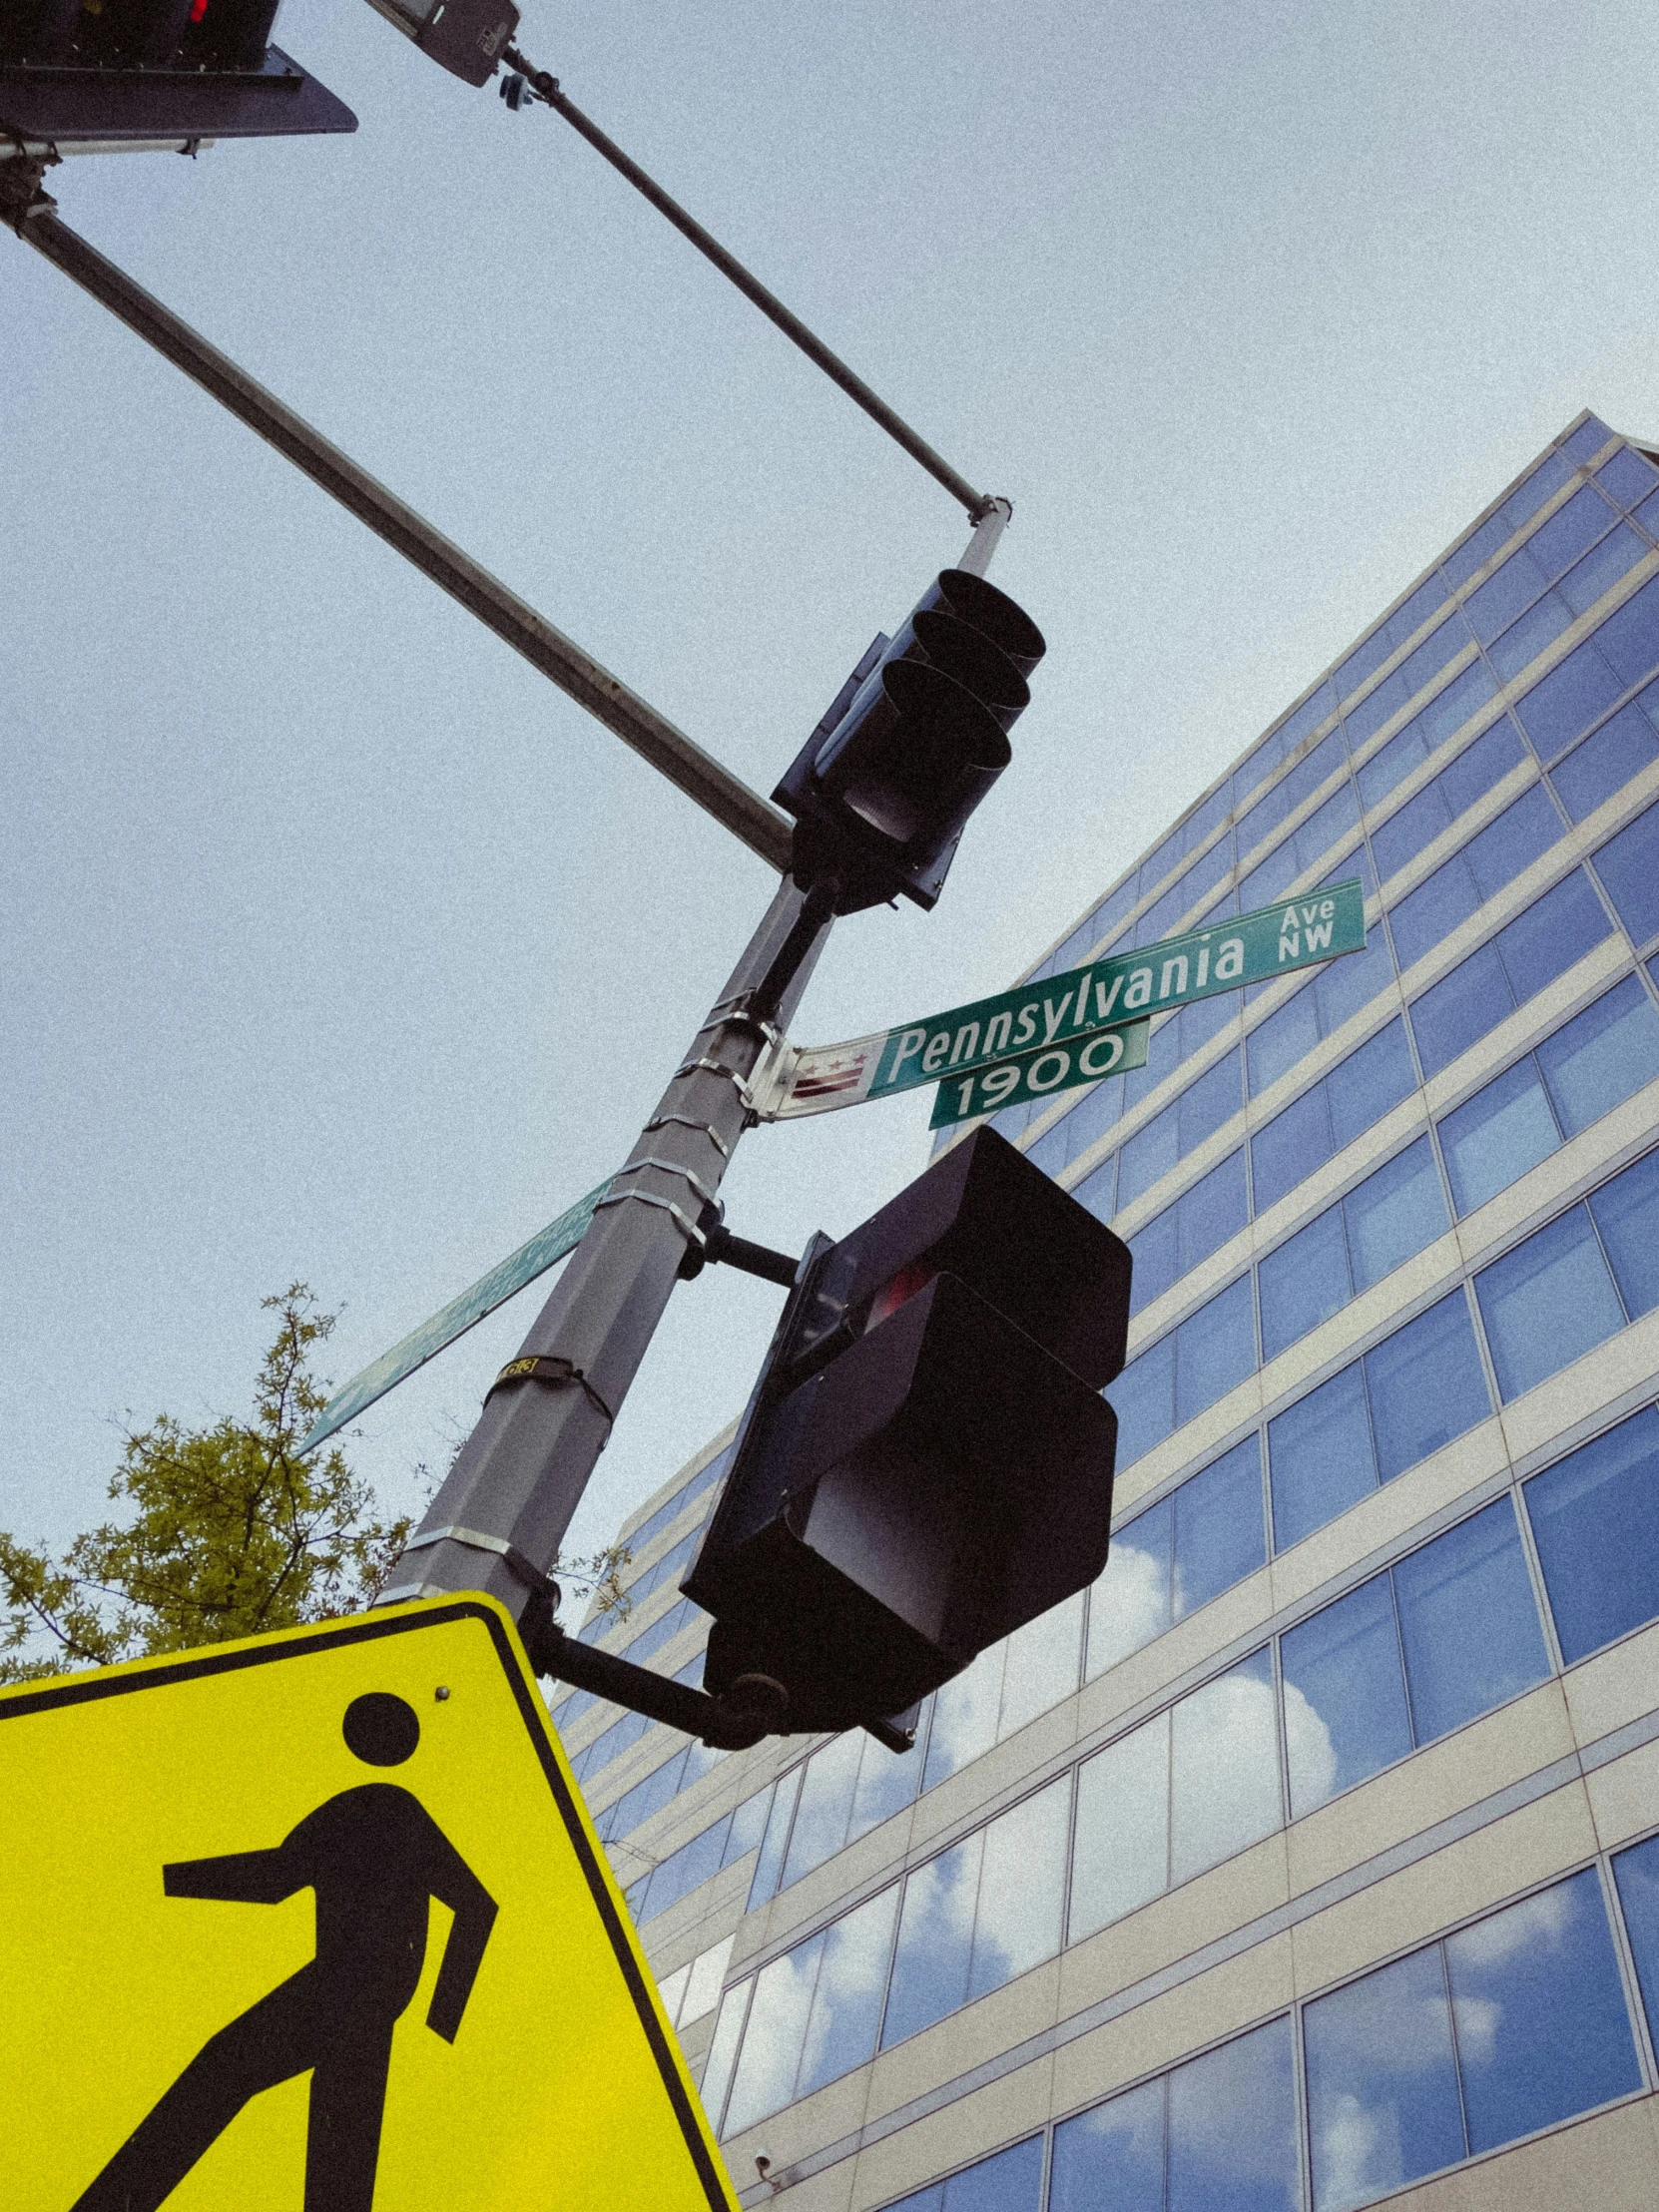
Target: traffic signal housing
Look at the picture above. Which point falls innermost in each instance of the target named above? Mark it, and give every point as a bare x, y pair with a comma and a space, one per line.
132, 73
883, 789
466, 37
926, 1461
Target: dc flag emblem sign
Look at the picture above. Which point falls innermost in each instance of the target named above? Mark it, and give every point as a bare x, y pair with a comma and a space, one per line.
317, 1922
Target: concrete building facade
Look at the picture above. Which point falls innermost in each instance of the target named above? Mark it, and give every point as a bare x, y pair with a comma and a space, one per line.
1310, 1859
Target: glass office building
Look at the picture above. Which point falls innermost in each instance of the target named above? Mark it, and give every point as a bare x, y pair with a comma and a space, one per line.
1310, 1858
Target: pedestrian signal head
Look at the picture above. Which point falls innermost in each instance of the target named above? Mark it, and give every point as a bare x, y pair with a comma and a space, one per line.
466, 37
884, 788
926, 1461
381, 1729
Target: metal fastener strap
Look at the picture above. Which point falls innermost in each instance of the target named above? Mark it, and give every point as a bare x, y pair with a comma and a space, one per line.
477, 1539
687, 1228
551, 1367
703, 1129
672, 1167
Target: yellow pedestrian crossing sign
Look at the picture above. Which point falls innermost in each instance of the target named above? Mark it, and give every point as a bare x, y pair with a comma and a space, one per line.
317, 1923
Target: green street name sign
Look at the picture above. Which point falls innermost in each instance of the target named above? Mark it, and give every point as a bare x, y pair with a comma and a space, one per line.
504, 1280
1059, 1067
1035, 1017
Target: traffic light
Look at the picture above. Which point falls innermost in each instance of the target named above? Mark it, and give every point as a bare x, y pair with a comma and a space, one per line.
468, 37
927, 1461
883, 789
114, 73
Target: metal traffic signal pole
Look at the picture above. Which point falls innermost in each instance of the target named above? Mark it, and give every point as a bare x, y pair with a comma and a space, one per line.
501, 1514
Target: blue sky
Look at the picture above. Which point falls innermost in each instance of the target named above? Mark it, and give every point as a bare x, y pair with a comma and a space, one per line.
338, 946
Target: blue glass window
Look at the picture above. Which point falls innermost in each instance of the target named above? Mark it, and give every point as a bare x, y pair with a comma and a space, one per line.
1629, 639
1213, 1099
1474, 772
1113, 2155
1215, 2135
1479, 546
1390, 635
1637, 1874
1524, 639
1527, 828
1320, 1455
1150, 1153
1599, 571
1528, 952
1568, 700
1498, 1135
1408, 680
1408, 1396
1143, 1398
1217, 1528
1596, 1517
770, 1865
1214, 1349
1626, 1212
1012, 2181
1346, 1714
1199, 1223
1319, 1008
1427, 731
1602, 1056
1276, 1045
1098, 1189
1543, 942
1543, 2031
1183, 1125
1628, 866
1382, 2093
1356, 1093
1370, 1083
1232, 2127
1506, 593
1580, 1073
1425, 1385
1279, 744
1570, 531
1587, 441
1542, 2034
720, 1845
982, 1912
1548, 1301
1176, 1378
1445, 1635
1129, 1604
1627, 477
1476, 1572
1290, 1147
1393, 1214
1304, 1282
1605, 762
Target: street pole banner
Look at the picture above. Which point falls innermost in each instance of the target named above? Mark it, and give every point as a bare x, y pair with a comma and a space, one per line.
1040, 1075
507, 1277
224, 1981
1113, 993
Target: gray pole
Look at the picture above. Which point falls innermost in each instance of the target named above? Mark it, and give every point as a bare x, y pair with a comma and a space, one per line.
498, 1521
698, 774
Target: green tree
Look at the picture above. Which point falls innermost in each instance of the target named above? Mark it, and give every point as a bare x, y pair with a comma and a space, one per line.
228, 1532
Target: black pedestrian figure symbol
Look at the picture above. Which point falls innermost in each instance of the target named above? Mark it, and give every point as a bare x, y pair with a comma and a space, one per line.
373, 1856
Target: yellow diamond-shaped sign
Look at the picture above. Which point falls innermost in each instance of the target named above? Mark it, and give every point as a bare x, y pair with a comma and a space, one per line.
317, 1923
